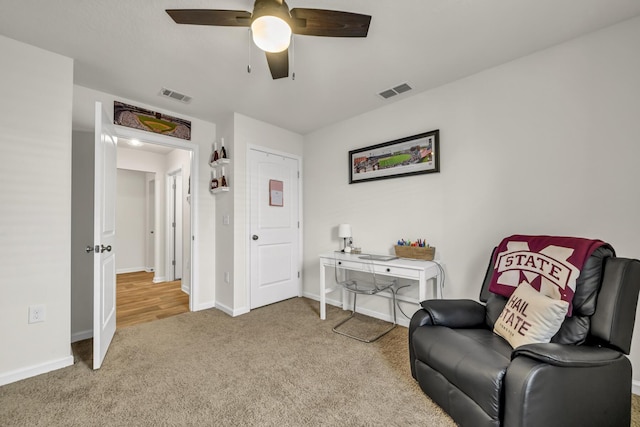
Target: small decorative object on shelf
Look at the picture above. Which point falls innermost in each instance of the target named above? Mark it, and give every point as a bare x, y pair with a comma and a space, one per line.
214, 181
223, 151
215, 156
223, 180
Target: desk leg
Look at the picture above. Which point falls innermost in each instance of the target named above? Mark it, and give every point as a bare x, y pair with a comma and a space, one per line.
323, 293
422, 288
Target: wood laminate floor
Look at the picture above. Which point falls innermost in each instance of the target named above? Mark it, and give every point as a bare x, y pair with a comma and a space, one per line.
139, 300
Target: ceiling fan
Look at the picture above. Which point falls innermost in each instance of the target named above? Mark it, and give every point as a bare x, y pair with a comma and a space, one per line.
272, 24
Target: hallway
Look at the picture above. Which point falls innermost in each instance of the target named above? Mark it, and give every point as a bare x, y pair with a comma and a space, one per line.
139, 300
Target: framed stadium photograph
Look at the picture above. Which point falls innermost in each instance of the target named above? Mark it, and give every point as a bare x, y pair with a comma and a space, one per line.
413, 155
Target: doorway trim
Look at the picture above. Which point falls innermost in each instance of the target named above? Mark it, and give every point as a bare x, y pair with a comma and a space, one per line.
153, 138
252, 147
171, 230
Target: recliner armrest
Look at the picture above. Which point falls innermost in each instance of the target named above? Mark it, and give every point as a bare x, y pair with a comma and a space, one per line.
568, 355
455, 313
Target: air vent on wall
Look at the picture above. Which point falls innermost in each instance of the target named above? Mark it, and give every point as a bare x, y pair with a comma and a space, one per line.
175, 95
386, 94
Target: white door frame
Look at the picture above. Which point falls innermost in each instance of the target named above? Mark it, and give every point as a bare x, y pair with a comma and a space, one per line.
130, 133
251, 147
173, 202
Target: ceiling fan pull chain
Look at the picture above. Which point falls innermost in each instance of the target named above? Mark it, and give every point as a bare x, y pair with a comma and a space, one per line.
293, 59
250, 51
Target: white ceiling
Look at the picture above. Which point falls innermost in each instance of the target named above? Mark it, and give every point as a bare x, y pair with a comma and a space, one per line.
132, 48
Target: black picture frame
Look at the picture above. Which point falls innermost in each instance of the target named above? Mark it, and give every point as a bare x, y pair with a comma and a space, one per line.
412, 155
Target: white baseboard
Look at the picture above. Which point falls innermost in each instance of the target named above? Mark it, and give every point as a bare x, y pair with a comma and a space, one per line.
159, 279
204, 306
82, 335
230, 311
148, 269
635, 387
130, 270
32, 371
185, 289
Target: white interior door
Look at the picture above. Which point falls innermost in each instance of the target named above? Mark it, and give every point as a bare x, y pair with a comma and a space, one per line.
104, 233
151, 223
274, 228
178, 206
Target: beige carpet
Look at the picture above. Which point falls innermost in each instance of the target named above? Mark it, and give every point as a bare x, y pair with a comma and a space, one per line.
279, 365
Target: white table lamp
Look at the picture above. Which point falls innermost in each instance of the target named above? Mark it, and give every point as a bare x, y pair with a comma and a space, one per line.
344, 232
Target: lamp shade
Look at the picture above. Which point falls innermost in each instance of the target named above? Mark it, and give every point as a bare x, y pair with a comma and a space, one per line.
344, 230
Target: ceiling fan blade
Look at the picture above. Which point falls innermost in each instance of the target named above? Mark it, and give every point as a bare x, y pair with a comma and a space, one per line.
329, 23
225, 18
278, 64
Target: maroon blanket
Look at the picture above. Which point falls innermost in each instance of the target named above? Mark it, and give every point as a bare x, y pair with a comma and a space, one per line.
549, 264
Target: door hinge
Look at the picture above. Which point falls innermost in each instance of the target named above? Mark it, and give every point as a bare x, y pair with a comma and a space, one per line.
298, 224
298, 174
298, 274
174, 186
173, 262
173, 224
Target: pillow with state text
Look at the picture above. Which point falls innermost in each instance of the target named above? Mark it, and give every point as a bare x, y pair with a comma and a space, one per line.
530, 317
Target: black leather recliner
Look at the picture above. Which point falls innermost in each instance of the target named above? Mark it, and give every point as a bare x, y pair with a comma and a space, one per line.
581, 378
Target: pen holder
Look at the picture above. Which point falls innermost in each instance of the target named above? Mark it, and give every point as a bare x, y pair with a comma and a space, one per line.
416, 252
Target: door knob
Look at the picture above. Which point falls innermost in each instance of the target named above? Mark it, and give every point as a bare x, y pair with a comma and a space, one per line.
90, 248
254, 237
105, 248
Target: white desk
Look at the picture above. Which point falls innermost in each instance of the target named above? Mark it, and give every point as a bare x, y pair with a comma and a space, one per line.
405, 268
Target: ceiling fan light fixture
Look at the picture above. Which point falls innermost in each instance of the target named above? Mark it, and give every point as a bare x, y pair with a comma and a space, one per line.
271, 33
270, 25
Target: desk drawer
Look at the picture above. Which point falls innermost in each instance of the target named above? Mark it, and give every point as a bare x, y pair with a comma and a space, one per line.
397, 271
349, 265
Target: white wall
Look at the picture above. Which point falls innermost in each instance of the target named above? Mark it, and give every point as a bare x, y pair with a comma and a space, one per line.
143, 161
130, 221
547, 144
224, 240
35, 209
240, 132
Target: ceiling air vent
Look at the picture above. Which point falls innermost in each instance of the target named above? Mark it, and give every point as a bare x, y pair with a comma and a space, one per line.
175, 95
386, 94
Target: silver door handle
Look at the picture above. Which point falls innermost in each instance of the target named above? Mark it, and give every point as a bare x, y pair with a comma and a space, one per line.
105, 248
254, 237
90, 249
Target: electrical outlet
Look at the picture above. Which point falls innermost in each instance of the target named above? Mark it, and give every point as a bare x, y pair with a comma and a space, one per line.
225, 219
37, 313
227, 277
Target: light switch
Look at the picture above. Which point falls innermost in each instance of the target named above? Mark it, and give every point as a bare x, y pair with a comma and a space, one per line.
225, 219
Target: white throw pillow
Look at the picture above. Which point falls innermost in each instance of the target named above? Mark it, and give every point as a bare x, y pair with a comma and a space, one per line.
530, 317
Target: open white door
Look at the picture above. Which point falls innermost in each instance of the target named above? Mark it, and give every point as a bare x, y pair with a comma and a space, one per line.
104, 233
274, 228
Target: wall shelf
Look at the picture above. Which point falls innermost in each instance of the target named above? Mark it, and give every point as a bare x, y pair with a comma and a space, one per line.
220, 162
217, 166
219, 190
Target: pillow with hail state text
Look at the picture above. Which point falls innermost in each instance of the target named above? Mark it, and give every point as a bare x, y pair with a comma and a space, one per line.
530, 317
